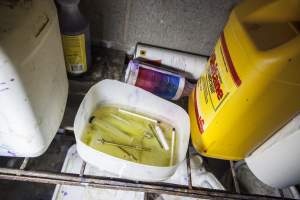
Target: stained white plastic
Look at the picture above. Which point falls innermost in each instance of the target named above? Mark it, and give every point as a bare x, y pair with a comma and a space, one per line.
73, 162
204, 178
277, 161
33, 81
122, 94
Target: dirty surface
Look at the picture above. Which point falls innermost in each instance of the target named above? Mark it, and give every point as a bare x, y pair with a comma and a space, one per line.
108, 63
52, 160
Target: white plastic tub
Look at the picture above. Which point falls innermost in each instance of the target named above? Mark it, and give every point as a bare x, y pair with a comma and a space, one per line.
115, 92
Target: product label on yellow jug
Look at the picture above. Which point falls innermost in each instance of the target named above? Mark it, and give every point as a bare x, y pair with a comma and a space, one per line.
214, 86
75, 53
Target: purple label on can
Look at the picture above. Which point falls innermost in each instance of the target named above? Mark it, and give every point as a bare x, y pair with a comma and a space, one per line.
163, 84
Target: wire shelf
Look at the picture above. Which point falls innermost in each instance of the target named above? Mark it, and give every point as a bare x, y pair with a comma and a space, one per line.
76, 92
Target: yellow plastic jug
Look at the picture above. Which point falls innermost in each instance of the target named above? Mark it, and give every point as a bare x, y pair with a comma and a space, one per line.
251, 86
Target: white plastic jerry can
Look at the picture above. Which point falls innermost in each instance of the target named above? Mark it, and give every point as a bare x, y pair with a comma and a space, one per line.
33, 81
276, 162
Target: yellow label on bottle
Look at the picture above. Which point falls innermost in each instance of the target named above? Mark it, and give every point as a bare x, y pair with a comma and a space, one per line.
75, 53
215, 86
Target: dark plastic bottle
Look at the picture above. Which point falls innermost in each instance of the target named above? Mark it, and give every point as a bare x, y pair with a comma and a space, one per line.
75, 32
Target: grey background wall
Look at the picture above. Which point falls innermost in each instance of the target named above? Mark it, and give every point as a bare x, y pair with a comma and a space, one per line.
189, 25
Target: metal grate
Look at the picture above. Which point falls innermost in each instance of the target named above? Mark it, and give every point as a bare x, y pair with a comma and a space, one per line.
27, 175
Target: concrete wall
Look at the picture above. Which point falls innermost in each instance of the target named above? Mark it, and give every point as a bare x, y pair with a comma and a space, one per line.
190, 25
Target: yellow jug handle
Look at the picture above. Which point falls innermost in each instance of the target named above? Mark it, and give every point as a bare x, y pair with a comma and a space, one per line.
269, 10
284, 51
258, 11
